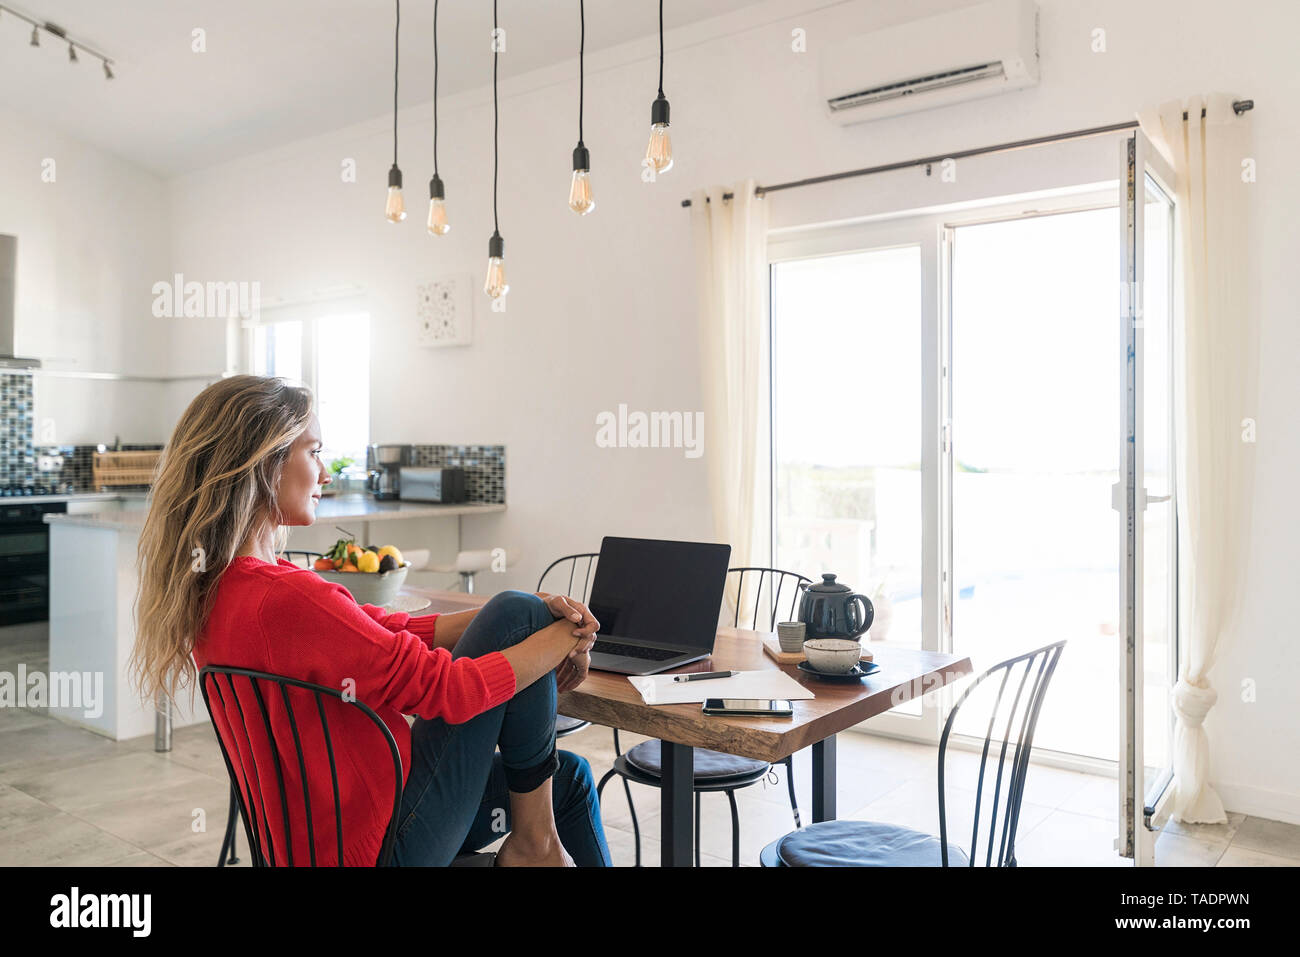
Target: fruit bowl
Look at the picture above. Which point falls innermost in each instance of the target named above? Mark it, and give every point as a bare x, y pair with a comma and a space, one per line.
369, 588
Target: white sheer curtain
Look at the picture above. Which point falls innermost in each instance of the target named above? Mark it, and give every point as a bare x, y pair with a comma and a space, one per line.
1218, 405
730, 244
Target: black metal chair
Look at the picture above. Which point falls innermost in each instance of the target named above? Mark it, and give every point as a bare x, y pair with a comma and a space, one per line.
229, 853
564, 725
873, 844
715, 770
308, 557
256, 827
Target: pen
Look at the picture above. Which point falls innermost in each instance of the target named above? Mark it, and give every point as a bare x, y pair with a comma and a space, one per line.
706, 675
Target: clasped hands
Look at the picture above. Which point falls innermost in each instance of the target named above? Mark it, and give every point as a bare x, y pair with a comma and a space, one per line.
572, 671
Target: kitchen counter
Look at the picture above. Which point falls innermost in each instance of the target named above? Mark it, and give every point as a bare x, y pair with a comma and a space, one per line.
358, 506
93, 583
73, 497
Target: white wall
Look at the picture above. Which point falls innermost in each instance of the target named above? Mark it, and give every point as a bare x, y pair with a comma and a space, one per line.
602, 308
91, 243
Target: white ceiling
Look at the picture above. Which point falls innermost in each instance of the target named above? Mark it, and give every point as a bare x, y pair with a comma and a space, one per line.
279, 70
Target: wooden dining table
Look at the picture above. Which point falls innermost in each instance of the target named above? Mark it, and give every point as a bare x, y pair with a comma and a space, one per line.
610, 699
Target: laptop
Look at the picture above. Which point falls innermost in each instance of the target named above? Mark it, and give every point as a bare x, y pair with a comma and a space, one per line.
657, 603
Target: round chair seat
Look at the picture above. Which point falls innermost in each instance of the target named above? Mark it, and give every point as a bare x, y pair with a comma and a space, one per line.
647, 758
859, 844
566, 725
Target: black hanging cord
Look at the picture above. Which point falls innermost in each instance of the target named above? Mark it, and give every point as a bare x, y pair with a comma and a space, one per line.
397, 32
582, 45
661, 47
435, 87
496, 48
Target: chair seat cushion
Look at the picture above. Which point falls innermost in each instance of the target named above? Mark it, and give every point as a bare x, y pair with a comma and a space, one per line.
647, 758
565, 723
863, 844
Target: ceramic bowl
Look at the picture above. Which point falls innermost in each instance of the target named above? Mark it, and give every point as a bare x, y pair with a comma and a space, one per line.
370, 588
834, 656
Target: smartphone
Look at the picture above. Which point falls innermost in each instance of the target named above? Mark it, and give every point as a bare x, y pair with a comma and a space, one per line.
749, 706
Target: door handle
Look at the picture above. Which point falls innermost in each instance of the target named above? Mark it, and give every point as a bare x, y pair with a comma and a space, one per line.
1143, 499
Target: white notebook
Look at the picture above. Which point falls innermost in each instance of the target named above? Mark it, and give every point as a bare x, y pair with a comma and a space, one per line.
769, 685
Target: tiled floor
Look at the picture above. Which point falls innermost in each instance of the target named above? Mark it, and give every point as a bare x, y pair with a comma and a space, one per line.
69, 797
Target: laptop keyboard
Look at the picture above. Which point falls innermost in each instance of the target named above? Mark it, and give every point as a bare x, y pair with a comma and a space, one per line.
634, 651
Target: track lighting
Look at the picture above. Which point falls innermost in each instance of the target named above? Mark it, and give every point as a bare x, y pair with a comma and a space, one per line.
56, 31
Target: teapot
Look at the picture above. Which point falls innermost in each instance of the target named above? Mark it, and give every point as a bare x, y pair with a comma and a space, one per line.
831, 609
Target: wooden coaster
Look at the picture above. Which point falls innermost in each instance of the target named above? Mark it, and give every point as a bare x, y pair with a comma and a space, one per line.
773, 648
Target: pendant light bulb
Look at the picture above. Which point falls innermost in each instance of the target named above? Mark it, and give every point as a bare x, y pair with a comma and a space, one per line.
580, 198
659, 151
437, 225
395, 209
495, 284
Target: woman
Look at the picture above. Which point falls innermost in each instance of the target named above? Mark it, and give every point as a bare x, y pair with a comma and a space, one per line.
243, 463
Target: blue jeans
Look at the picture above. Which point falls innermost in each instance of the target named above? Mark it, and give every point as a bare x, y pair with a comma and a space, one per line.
456, 798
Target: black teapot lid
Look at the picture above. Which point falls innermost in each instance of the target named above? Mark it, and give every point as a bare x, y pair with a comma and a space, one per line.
829, 586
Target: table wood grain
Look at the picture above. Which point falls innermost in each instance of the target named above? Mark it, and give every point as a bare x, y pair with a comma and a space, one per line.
609, 699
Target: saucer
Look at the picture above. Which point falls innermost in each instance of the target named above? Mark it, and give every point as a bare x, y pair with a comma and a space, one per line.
408, 603
860, 670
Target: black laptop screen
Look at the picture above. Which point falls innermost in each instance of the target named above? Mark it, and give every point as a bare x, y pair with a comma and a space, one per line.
658, 591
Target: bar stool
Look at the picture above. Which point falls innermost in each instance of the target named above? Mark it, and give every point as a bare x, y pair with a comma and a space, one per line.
473, 561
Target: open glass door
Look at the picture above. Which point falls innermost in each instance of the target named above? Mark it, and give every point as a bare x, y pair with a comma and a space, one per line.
1144, 496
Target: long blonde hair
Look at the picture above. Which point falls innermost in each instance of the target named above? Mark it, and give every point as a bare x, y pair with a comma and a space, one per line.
216, 482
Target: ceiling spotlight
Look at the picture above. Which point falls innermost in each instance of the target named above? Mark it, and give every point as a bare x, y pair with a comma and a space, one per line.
36, 37
108, 71
72, 53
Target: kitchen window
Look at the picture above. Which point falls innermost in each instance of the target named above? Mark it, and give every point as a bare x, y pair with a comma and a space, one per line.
329, 352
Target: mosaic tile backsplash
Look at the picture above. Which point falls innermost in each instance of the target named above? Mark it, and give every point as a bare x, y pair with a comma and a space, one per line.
484, 465
19, 453
17, 458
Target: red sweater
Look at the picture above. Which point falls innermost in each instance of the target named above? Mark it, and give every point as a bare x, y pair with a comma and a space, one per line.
289, 621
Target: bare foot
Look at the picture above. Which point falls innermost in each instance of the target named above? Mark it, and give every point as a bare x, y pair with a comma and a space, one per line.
516, 852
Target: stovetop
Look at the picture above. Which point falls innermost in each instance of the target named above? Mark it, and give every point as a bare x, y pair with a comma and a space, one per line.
24, 491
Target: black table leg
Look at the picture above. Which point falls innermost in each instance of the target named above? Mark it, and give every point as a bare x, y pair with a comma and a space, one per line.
823, 791
676, 794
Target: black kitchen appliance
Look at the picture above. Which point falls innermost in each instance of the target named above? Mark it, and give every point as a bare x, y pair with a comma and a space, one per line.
25, 554
384, 465
443, 485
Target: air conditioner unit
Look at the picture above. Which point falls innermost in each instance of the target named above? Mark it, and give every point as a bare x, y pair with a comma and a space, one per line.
972, 52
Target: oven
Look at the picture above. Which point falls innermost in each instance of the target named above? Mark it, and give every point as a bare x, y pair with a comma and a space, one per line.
25, 561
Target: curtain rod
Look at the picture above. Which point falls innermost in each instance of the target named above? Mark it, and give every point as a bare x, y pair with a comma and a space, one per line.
1238, 107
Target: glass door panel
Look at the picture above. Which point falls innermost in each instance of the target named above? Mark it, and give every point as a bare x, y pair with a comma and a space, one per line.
847, 429
1034, 392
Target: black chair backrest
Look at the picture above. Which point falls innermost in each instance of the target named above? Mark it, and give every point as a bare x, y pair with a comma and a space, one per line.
307, 557
1034, 670
584, 560
773, 575
259, 759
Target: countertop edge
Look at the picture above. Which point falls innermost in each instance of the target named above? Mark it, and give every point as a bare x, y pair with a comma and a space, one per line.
372, 512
